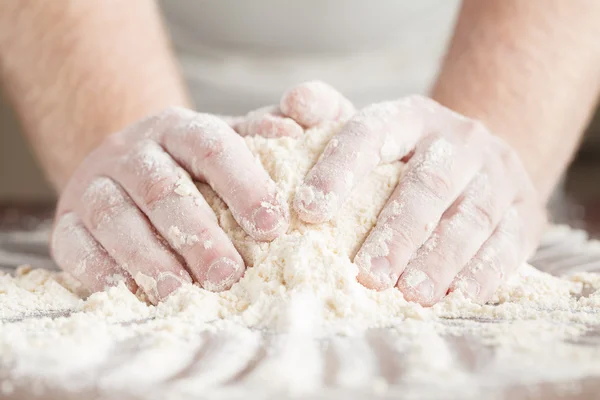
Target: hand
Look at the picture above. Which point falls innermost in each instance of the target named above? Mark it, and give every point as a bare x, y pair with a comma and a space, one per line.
464, 214
132, 213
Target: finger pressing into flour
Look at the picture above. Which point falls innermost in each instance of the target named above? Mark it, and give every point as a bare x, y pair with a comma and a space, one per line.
77, 252
168, 197
508, 248
314, 102
213, 153
513, 241
499, 256
465, 226
383, 132
123, 230
268, 122
435, 176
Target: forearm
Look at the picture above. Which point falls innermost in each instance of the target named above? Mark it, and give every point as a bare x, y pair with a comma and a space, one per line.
530, 70
77, 71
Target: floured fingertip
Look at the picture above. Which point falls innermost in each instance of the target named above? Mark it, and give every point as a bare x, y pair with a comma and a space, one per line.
266, 222
469, 287
273, 126
313, 102
417, 286
314, 206
374, 268
222, 274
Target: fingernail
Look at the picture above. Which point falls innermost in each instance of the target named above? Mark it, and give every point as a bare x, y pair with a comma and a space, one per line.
221, 274
167, 284
419, 283
268, 220
426, 290
375, 272
470, 288
380, 266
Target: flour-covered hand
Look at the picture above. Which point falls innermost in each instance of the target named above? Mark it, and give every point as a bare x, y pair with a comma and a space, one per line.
132, 213
464, 214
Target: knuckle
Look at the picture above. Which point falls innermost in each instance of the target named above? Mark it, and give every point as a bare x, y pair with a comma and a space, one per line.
154, 191
400, 235
194, 243
103, 201
146, 158
434, 182
483, 216
152, 171
207, 135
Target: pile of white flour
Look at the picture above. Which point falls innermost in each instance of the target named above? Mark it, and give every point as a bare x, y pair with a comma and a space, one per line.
303, 284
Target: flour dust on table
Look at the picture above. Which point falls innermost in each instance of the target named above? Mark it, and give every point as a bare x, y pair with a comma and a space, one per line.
298, 322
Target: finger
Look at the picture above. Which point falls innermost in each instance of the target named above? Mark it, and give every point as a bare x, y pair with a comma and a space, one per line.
168, 197
383, 132
501, 254
121, 228
212, 152
435, 176
76, 251
314, 102
268, 122
463, 229
513, 242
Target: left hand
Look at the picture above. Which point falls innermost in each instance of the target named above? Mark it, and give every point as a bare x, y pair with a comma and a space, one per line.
464, 215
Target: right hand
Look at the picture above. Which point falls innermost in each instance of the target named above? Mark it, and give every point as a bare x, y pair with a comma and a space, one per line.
132, 213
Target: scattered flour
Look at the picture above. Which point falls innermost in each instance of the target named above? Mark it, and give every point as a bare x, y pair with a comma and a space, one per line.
298, 321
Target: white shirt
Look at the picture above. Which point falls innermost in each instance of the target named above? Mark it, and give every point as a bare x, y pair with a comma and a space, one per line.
240, 55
